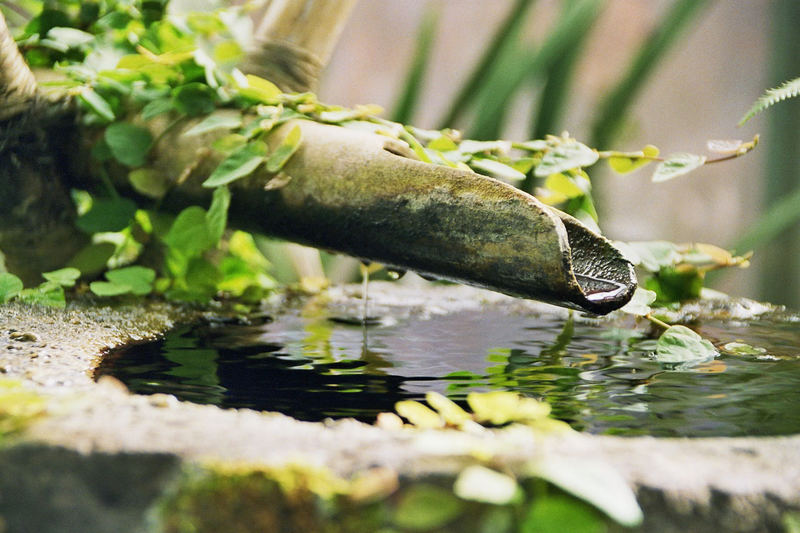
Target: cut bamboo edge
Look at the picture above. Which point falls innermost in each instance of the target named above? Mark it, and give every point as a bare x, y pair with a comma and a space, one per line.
362, 194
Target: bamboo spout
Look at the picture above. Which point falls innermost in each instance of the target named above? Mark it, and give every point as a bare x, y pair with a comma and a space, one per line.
350, 192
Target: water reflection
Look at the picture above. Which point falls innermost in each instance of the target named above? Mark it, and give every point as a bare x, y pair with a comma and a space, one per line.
598, 379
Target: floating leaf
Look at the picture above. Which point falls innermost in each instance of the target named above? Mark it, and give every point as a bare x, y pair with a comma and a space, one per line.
139, 279
639, 304
592, 481
107, 214
10, 286
679, 344
677, 165
285, 150
216, 121
419, 414
66, 277
496, 169
450, 411
623, 163
242, 162
425, 507
740, 348
566, 156
128, 143
481, 484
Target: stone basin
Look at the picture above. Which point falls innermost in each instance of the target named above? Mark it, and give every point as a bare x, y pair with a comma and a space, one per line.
102, 459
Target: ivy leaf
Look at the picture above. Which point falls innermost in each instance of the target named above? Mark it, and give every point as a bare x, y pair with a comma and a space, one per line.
679, 344
497, 169
285, 150
677, 165
242, 162
194, 99
129, 144
138, 279
65, 277
148, 182
10, 286
107, 214
189, 233
260, 90
622, 163
566, 156
216, 121
109, 288
217, 215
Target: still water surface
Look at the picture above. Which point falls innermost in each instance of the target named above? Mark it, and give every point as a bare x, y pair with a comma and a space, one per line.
598, 379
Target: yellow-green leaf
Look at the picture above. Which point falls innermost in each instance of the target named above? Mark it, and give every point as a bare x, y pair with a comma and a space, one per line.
261, 90
563, 185
623, 163
285, 150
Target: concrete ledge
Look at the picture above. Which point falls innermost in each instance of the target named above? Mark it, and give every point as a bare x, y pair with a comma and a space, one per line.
738, 484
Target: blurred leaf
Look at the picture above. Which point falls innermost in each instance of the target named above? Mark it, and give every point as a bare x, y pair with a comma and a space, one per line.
242, 162
425, 507
559, 514
613, 108
501, 407
260, 90
148, 182
93, 259
519, 65
48, 293
66, 277
624, 163
97, 103
216, 121
419, 414
407, 101
10, 286
128, 143
724, 146
109, 288
502, 43
496, 169
107, 214
450, 411
680, 344
139, 279
217, 215
592, 481
566, 156
285, 150
675, 285
481, 484
677, 165
189, 233
194, 99
157, 107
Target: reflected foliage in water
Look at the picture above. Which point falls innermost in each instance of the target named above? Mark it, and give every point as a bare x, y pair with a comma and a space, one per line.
600, 380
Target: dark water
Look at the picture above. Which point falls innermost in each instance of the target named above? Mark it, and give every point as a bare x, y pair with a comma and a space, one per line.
600, 380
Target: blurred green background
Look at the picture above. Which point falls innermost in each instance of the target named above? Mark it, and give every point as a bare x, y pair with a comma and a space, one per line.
615, 74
